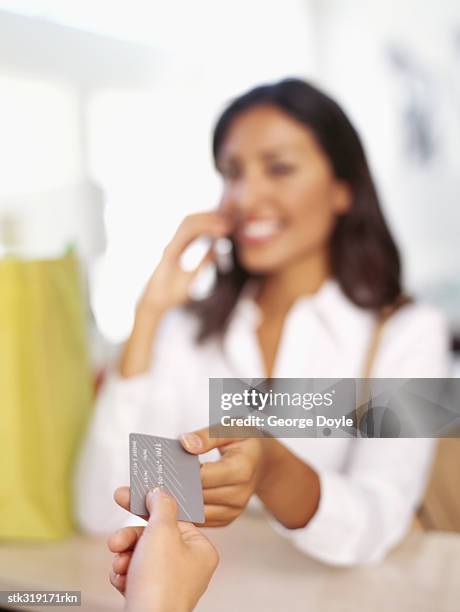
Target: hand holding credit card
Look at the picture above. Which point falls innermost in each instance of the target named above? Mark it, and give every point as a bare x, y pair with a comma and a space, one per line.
162, 462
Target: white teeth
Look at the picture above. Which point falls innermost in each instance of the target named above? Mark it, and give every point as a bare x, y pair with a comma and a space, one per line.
261, 229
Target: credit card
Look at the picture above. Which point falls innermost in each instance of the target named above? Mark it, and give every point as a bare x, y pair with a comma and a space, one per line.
162, 462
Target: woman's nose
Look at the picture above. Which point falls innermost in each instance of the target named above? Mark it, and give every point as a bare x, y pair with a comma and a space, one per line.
247, 195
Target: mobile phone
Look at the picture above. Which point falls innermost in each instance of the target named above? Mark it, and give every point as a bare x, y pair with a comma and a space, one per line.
223, 248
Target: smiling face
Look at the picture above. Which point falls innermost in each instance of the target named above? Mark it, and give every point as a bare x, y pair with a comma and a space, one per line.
279, 188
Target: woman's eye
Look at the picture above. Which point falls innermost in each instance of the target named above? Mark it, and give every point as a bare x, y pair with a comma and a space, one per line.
281, 169
229, 173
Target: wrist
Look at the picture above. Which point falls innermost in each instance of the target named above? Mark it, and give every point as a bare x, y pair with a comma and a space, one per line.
288, 487
271, 458
153, 603
149, 311
136, 355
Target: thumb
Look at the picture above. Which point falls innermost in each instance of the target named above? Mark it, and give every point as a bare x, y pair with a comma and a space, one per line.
162, 507
198, 442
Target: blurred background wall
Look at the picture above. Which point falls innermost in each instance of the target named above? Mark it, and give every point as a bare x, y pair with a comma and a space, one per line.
115, 102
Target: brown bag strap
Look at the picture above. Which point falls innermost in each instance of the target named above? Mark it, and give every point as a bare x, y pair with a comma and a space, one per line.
424, 517
385, 313
374, 343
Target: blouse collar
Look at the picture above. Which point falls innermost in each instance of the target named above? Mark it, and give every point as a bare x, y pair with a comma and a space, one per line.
340, 319
328, 296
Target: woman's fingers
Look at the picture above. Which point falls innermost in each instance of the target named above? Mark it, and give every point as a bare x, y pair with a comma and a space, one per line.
211, 224
200, 441
217, 474
234, 496
118, 581
124, 539
122, 497
121, 561
235, 467
218, 516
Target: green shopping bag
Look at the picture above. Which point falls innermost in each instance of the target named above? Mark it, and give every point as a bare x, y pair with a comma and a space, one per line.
45, 394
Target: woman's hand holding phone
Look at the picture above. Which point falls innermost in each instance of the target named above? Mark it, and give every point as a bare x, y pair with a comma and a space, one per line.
169, 284
168, 287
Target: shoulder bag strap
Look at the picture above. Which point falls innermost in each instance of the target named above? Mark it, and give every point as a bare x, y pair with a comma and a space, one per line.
385, 313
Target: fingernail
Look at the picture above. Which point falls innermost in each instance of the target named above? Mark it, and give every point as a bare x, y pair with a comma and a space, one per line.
156, 492
192, 441
151, 496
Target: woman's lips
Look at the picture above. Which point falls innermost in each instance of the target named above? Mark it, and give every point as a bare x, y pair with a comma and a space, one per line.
258, 232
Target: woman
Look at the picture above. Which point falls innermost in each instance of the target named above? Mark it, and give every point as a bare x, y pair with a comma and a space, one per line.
314, 264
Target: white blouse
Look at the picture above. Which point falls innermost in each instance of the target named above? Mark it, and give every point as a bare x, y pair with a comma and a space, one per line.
369, 487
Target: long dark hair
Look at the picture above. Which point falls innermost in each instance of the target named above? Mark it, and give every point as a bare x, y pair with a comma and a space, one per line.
364, 257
